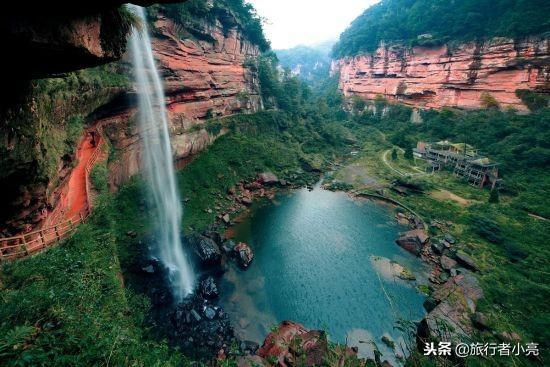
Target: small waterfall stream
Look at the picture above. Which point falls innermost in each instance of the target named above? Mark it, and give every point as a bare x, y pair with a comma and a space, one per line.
157, 159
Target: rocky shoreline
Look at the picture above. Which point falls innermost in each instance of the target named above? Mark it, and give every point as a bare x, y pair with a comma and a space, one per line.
454, 290
197, 324
201, 328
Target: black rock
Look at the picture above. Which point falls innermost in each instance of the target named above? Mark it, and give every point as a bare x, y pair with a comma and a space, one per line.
161, 297
209, 312
196, 315
205, 249
438, 248
209, 289
213, 235
149, 269
228, 248
429, 304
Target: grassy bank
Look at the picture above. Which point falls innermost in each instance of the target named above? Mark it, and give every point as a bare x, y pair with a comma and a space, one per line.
502, 235
69, 306
76, 304
292, 148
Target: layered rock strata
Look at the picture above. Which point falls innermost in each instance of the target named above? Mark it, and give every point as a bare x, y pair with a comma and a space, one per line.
203, 80
449, 76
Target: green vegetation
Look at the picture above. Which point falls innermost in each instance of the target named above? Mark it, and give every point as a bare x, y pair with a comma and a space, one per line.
47, 125
533, 100
100, 178
496, 228
434, 22
69, 306
192, 14
488, 101
115, 27
313, 63
266, 141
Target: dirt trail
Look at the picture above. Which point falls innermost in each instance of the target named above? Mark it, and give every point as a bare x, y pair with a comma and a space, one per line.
73, 199
77, 199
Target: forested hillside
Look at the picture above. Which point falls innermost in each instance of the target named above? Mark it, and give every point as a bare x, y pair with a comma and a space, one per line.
242, 15
433, 22
310, 63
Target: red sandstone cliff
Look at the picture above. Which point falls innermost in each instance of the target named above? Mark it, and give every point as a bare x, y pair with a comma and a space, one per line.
445, 76
202, 79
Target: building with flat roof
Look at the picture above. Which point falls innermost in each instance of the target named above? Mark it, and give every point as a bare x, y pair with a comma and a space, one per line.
462, 158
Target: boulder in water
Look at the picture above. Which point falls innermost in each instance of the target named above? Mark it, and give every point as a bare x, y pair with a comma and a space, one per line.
209, 289
228, 247
205, 249
244, 255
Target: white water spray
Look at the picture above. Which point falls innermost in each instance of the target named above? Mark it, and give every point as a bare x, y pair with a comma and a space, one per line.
157, 159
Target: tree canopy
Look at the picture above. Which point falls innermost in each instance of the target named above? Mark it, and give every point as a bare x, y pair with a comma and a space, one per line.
435, 22
241, 15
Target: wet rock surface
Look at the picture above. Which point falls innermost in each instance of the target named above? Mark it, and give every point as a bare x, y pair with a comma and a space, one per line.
205, 250
244, 255
201, 328
208, 288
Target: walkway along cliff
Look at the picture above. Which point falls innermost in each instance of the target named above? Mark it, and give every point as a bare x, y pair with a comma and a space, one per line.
73, 206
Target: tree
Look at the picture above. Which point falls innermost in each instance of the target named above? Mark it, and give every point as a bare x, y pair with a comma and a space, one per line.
494, 197
408, 154
359, 104
393, 154
488, 101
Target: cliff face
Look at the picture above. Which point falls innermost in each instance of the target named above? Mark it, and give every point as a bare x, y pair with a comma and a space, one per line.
203, 79
444, 76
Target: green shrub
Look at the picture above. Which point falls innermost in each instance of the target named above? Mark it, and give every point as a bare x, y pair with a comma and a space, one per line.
436, 22
494, 197
488, 101
100, 178
487, 228
534, 101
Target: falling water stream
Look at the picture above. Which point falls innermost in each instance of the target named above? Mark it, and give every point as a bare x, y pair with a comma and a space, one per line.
157, 159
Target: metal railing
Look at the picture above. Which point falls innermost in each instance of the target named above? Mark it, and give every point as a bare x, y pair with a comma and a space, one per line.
32, 242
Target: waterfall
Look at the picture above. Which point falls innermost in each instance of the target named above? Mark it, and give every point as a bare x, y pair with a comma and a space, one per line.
157, 159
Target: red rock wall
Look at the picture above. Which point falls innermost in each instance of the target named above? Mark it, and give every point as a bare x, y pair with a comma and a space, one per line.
444, 76
202, 79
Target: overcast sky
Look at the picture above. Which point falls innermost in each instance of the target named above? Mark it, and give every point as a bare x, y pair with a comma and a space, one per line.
295, 22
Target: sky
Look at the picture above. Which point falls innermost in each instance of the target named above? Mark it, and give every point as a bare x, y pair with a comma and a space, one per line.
307, 22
